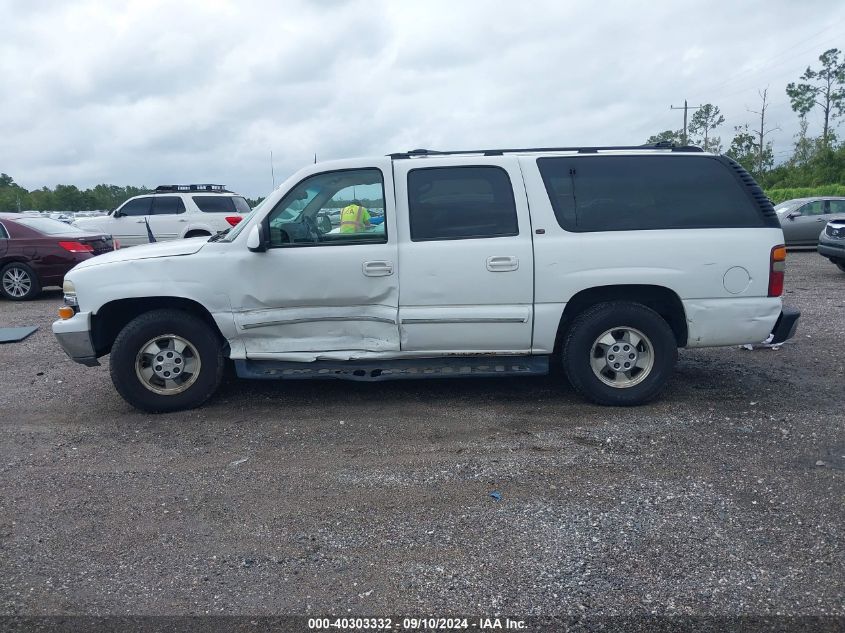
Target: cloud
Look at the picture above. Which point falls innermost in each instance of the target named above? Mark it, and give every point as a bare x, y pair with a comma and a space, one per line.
144, 92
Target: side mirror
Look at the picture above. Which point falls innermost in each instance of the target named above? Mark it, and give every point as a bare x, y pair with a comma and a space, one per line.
116, 214
255, 241
793, 214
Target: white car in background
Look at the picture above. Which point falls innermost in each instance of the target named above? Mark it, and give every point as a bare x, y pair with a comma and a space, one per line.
171, 212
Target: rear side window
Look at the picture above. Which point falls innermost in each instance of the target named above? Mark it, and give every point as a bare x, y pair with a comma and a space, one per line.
168, 205
455, 203
221, 204
624, 193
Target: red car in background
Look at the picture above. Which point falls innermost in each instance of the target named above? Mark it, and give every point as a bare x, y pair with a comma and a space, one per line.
37, 252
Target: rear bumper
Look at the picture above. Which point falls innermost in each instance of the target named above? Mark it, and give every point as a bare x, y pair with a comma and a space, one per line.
786, 325
74, 335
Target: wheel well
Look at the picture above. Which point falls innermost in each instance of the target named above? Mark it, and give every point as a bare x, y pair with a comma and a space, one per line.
111, 318
662, 300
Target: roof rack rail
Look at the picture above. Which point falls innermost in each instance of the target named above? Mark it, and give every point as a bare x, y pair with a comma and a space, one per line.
662, 145
188, 188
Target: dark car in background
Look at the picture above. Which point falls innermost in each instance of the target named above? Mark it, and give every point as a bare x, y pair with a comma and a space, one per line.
802, 219
832, 243
37, 252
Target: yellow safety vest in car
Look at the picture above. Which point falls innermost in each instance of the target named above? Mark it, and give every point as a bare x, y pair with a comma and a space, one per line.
352, 218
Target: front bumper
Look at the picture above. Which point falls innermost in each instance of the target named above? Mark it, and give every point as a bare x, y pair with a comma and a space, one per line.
786, 325
74, 335
832, 250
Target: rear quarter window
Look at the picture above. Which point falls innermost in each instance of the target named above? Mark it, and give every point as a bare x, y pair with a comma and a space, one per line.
221, 204
625, 193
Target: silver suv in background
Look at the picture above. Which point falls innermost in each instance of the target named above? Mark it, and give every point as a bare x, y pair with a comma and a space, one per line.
802, 219
171, 212
832, 243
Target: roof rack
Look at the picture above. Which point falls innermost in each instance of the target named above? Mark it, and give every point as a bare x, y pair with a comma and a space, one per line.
187, 188
662, 145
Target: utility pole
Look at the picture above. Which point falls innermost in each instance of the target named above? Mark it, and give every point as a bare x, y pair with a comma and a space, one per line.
685, 107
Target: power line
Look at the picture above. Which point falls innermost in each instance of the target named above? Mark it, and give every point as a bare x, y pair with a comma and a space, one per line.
785, 58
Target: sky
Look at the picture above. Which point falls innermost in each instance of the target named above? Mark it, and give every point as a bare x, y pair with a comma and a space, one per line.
195, 91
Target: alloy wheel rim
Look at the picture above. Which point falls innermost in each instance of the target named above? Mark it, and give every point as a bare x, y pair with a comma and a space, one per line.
167, 364
622, 357
17, 282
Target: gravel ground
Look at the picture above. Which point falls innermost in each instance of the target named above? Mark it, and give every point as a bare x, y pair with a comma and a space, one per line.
725, 497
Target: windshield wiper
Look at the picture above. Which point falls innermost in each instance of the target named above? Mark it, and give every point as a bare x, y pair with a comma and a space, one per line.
218, 236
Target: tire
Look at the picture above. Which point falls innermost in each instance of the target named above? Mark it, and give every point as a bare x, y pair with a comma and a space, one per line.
19, 282
197, 234
840, 264
155, 337
635, 331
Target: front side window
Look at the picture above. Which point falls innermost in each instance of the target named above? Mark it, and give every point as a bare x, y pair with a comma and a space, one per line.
458, 203
624, 193
339, 207
138, 206
168, 205
816, 207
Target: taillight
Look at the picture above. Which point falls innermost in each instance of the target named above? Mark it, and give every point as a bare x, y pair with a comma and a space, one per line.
777, 266
77, 247
233, 219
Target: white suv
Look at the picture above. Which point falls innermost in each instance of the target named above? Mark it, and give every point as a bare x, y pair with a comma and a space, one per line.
447, 264
171, 212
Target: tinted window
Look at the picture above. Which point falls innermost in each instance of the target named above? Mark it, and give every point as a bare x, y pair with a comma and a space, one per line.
48, 226
450, 203
168, 205
622, 193
138, 206
221, 204
3, 234
813, 208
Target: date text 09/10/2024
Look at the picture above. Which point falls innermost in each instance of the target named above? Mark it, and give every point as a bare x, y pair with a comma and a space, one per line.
416, 624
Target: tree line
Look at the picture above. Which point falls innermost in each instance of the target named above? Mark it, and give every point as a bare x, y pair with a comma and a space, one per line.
814, 161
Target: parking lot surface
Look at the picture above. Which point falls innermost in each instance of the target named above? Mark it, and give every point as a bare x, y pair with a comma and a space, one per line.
723, 497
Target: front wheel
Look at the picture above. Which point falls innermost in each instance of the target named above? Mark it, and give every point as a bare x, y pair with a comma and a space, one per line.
619, 353
166, 360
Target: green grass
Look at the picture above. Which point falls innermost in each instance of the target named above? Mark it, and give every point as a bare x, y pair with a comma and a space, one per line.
779, 195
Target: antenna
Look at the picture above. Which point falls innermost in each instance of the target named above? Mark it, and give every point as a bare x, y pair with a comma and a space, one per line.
272, 171
315, 158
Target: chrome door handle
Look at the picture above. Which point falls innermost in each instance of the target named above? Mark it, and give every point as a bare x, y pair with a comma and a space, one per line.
378, 269
502, 263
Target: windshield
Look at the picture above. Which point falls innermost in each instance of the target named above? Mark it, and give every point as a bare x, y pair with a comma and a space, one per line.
786, 206
50, 227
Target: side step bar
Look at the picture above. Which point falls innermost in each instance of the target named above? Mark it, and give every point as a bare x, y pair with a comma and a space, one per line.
376, 370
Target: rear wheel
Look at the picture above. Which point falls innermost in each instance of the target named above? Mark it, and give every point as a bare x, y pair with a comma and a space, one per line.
19, 282
166, 360
619, 353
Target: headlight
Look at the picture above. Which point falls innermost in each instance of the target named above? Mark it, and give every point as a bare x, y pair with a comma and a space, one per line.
69, 291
